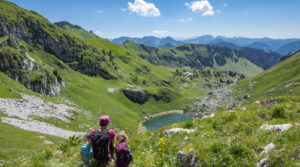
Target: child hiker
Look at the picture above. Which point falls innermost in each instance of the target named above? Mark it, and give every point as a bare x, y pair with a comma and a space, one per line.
123, 153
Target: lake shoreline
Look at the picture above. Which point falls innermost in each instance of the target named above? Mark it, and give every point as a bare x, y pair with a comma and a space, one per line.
141, 127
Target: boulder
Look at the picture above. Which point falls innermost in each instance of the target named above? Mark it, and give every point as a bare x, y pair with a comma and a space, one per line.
281, 128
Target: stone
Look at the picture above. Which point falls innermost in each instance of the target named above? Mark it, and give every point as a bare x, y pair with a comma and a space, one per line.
262, 162
186, 139
111, 90
246, 96
187, 160
209, 116
267, 148
41, 137
176, 130
48, 142
281, 128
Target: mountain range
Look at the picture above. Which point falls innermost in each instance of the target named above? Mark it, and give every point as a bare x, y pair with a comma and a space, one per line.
282, 46
245, 60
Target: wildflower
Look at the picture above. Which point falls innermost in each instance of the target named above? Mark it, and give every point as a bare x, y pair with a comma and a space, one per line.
161, 146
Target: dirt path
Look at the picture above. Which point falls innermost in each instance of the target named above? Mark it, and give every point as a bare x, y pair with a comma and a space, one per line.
141, 128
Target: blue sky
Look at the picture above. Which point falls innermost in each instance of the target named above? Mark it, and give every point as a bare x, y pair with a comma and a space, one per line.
176, 18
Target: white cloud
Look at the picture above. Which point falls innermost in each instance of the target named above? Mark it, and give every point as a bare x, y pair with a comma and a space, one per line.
185, 20
123, 9
201, 6
161, 33
225, 5
99, 11
219, 11
98, 33
143, 8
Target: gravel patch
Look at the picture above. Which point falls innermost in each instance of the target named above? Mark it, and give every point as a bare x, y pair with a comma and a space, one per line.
34, 106
41, 127
215, 100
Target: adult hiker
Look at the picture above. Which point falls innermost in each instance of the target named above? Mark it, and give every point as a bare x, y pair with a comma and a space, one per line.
102, 142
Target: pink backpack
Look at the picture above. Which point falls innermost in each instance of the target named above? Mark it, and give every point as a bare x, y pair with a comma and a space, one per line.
123, 155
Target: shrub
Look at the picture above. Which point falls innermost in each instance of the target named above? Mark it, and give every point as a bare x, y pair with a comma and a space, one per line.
188, 124
278, 111
217, 147
238, 150
217, 125
72, 141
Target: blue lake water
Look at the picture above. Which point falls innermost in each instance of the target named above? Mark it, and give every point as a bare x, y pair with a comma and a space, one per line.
165, 120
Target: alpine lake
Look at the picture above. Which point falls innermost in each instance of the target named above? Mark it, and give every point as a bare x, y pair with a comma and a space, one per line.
165, 120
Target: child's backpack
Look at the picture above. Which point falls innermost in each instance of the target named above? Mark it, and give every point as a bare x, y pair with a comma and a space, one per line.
86, 153
100, 144
123, 155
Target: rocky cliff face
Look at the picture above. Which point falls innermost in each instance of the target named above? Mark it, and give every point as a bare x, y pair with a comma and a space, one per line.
141, 96
21, 67
23, 32
35, 30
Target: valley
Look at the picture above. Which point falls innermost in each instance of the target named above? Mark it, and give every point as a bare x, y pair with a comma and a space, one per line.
56, 79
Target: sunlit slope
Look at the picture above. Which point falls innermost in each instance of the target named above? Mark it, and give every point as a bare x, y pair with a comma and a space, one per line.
193, 55
282, 79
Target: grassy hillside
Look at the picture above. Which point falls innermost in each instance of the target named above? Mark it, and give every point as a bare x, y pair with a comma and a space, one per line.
282, 79
199, 56
262, 58
228, 139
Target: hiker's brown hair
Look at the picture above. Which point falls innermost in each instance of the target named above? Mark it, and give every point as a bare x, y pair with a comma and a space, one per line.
121, 137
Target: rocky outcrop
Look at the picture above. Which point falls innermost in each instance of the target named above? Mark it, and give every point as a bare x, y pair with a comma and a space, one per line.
65, 23
141, 96
21, 67
136, 95
289, 55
